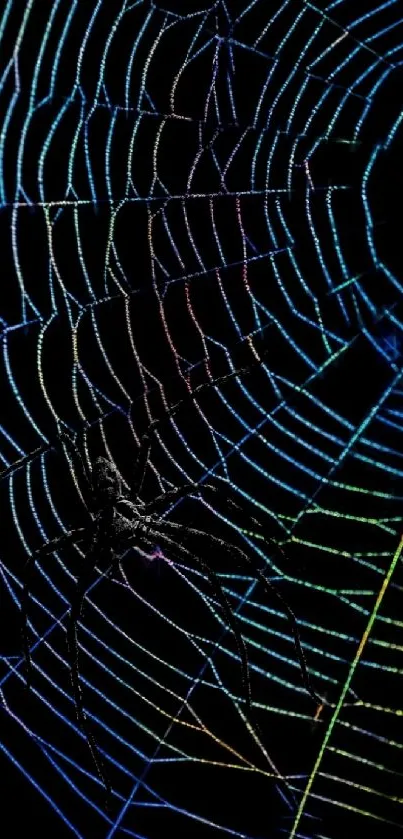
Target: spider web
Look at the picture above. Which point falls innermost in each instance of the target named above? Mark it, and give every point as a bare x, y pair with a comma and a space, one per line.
185, 192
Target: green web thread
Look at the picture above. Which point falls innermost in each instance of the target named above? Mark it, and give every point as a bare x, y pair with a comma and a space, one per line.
346, 686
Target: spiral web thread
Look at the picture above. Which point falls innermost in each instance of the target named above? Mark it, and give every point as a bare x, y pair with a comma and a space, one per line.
182, 195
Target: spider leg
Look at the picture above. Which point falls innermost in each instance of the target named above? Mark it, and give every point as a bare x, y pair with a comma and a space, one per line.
226, 607
45, 447
174, 494
234, 551
270, 587
146, 439
26, 458
141, 465
100, 536
177, 493
114, 566
157, 536
74, 449
49, 547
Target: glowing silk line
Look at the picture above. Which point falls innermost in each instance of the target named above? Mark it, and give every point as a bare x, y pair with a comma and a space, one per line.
346, 687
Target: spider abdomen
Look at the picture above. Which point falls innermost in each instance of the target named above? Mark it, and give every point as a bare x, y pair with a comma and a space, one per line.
106, 482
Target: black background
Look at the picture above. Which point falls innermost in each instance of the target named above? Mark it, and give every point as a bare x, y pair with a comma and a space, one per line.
255, 806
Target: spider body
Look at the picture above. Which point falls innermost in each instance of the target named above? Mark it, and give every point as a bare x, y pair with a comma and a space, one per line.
118, 520
125, 522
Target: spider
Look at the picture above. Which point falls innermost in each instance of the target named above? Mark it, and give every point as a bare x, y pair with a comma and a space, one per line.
117, 521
